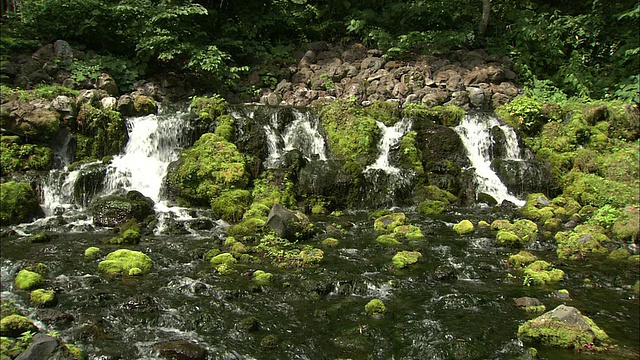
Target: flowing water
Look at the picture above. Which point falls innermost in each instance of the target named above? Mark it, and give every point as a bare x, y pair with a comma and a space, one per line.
456, 303
475, 132
391, 136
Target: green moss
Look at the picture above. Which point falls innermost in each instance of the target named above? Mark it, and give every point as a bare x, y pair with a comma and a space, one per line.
76, 352
231, 205
584, 240
225, 128
120, 262
22, 157
405, 258
627, 225
330, 242
508, 238
389, 222
15, 325
101, 132
224, 258
448, 115
636, 287
270, 341
410, 232
144, 105
521, 259
208, 108
352, 134
464, 227
411, 156
19, 202
262, 278
27, 280
535, 309
591, 189
541, 272
619, 255
284, 253
526, 230
375, 308
431, 207
501, 224
388, 240
41, 297
524, 114
129, 237
250, 228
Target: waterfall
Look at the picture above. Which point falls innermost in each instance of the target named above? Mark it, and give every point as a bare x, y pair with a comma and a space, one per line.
474, 130
390, 137
302, 134
57, 191
154, 142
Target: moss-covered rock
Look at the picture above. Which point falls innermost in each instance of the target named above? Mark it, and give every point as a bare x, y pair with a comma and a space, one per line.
537, 208
15, 156
15, 325
530, 305
117, 210
330, 242
410, 232
464, 227
231, 205
262, 278
563, 327
43, 298
388, 240
449, 115
619, 255
508, 238
591, 189
411, 156
291, 225
389, 222
100, 133
19, 203
375, 308
521, 259
627, 226
91, 253
431, 207
122, 261
274, 187
405, 258
144, 105
27, 280
583, 241
541, 272
205, 170
284, 253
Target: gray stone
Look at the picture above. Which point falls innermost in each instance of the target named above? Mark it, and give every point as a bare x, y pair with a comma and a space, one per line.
45, 347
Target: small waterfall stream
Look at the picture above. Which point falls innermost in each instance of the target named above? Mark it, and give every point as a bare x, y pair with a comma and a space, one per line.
475, 132
390, 137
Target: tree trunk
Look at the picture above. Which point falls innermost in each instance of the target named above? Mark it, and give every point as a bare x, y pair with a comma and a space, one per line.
484, 22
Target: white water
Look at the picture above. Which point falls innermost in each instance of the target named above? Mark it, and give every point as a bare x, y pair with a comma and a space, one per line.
57, 191
302, 134
390, 137
475, 132
154, 142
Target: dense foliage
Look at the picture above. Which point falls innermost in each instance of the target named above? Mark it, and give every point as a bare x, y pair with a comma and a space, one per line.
568, 46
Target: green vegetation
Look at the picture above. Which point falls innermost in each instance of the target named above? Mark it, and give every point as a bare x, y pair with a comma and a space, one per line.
405, 258
541, 272
15, 156
41, 297
126, 262
464, 227
27, 280
19, 202
375, 308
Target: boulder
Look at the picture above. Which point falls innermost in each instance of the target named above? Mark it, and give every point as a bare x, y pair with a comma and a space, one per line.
45, 347
291, 225
180, 350
126, 262
19, 203
115, 210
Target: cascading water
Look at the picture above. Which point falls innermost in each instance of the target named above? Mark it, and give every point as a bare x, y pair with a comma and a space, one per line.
154, 142
390, 137
302, 134
475, 132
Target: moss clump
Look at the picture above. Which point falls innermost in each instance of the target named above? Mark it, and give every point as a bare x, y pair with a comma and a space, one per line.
537, 208
270, 341
120, 262
448, 115
410, 232
388, 240
231, 205
41, 237
262, 278
208, 108
211, 166
619, 255
627, 226
19, 203
43, 298
389, 222
563, 327
501, 224
591, 189
583, 241
27, 280
91, 253
521, 259
330, 242
405, 258
22, 157
15, 325
431, 207
284, 253
76, 352
524, 114
273, 188
508, 238
352, 134
224, 258
411, 156
464, 227
375, 308
541, 272
101, 133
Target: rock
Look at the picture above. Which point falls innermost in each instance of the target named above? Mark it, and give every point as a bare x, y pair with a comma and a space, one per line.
289, 224
117, 210
15, 325
43, 298
144, 105
109, 103
388, 223
464, 227
405, 258
563, 327
63, 52
107, 83
54, 317
45, 347
123, 261
27, 280
375, 308
270, 98
477, 98
180, 350
529, 304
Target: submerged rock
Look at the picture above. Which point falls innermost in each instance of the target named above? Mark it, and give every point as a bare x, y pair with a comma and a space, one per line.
180, 350
375, 308
116, 210
564, 327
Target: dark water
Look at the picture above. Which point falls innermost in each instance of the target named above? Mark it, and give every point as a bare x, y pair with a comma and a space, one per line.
457, 303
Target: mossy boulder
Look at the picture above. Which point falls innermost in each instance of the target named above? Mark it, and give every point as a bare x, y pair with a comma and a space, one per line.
431, 207
27, 280
405, 258
541, 272
231, 205
592, 189
100, 133
389, 222
521, 259
410, 232
116, 210
91, 252
508, 238
15, 325
464, 227
291, 225
330, 242
262, 278
144, 105
627, 226
388, 240
375, 308
223, 263
274, 187
583, 241
448, 115
43, 298
619, 255
19, 203
537, 208
15, 156
207, 169
126, 262
563, 327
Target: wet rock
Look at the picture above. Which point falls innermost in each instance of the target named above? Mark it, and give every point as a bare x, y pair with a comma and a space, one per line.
181, 350
116, 210
445, 273
141, 304
54, 317
45, 347
288, 224
529, 304
15, 325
